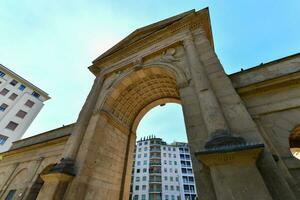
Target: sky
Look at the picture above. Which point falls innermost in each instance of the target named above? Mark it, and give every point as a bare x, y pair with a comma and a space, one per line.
51, 44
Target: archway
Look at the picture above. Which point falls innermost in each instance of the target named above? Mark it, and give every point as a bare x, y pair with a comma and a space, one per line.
294, 140
162, 167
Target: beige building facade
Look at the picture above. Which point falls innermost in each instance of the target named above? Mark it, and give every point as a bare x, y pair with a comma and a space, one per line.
239, 126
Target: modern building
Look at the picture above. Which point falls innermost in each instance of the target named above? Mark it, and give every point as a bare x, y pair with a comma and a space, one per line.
162, 171
20, 102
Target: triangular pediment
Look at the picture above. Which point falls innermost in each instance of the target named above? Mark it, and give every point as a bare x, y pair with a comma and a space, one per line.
144, 32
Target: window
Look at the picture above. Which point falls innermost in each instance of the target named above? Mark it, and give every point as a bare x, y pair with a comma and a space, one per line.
135, 197
177, 188
138, 170
12, 125
171, 177
140, 149
138, 163
166, 178
144, 187
140, 143
174, 149
139, 156
144, 178
175, 162
177, 179
166, 197
164, 154
174, 156
145, 155
3, 107
11, 195
166, 187
13, 82
171, 170
145, 162
170, 162
170, 155
145, 148
172, 187
145, 170
165, 162
2, 74
146, 142
22, 87
137, 187
13, 96
143, 197
29, 103
169, 148
175, 171
3, 139
4, 91
35, 94
137, 179
172, 197
164, 148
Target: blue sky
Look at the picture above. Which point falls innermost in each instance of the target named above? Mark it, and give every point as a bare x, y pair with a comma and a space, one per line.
51, 43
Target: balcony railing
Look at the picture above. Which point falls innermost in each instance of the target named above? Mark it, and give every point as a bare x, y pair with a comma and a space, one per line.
154, 171
155, 163
155, 190
155, 180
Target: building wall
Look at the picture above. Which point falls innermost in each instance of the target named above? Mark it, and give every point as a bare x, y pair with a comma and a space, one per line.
271, 94
8, 114
20, 168
161, 171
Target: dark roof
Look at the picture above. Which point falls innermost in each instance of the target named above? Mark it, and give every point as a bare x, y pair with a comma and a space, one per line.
43, 137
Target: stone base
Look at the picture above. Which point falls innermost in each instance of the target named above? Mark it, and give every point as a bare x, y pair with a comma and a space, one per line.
55, 185
234, 172
231, 154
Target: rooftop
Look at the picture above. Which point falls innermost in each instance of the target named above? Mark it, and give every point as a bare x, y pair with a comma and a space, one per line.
23, 80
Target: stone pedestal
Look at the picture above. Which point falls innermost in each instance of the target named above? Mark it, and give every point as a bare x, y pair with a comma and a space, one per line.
54, 187
234, 172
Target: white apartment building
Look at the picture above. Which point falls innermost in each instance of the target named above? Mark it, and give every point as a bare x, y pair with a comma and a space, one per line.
162, 171
20, 102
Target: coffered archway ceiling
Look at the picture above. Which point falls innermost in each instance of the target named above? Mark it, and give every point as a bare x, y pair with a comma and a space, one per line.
133, 93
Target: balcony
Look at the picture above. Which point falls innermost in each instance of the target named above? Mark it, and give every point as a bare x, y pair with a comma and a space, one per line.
155, 149
155, 179
155, 163
154, 171
155, 155
155, 190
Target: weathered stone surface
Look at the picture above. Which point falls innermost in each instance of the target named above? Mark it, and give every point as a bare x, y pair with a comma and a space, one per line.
176, 62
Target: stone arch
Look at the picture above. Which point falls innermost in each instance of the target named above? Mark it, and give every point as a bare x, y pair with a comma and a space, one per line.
294, 141
139, 91
17, 183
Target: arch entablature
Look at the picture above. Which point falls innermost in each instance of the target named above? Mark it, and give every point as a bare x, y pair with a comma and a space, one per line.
134, 91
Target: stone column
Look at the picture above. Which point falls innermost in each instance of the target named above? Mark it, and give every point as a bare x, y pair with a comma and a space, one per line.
85, 114
230, 160
211, 111
126, 180
57, 180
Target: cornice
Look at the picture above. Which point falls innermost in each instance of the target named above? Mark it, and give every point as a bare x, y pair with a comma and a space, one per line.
290, 80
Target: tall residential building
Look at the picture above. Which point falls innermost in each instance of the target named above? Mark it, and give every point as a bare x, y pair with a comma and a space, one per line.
20, 102
162, 171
